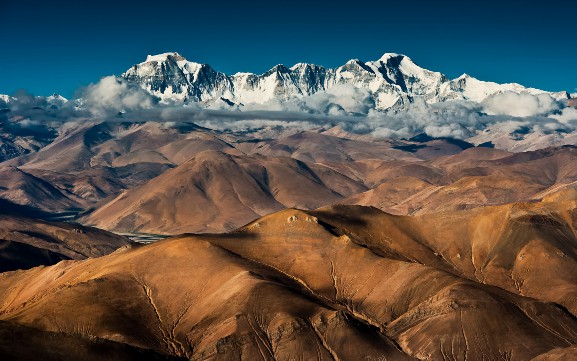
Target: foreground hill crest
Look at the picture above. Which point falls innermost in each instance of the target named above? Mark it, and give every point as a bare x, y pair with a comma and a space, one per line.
341, 282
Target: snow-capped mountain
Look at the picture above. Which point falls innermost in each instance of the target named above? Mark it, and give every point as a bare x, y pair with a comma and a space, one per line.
4, 100
394, 80
56, 100
466, 87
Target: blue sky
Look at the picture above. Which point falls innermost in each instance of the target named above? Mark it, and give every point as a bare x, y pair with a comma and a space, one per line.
59, 46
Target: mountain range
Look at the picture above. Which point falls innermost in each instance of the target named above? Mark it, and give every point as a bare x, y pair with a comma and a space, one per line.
394, 80
390, 97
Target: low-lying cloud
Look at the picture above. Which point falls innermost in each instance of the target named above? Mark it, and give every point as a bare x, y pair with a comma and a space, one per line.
115, 94
352, 108
567, 116
520, 105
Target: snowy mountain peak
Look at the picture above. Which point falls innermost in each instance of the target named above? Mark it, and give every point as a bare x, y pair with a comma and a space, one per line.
393, 81
164, 57
304, 66
4, 99
278, 68
243, 74
387, 56
57, 96
353, 61
56, 100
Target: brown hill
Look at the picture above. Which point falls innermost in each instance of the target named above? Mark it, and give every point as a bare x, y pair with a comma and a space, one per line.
23, 188
92, 161
473, 178
526, 248
215, 191
344, 282
223, 191
89, 163
117, 144
112, 168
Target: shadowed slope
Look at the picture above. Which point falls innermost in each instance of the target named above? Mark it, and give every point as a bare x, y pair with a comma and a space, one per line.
21, 343
27, 242
25, 189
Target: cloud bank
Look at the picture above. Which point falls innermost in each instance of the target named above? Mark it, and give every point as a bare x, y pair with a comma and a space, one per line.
115, 99
520, 105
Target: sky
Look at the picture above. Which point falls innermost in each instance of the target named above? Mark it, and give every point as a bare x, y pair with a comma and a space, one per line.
61, 46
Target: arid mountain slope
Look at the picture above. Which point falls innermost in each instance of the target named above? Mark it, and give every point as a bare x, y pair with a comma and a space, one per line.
344, 282
223, 191
215, 191
25, 189
89, 162
92, 161
21, 343
525, 248
475, 177
120, 174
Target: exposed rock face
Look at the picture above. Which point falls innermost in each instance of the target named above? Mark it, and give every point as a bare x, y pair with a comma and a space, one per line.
394, 80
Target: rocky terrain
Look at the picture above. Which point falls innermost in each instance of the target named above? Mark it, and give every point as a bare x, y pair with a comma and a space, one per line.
405, 179
151, 177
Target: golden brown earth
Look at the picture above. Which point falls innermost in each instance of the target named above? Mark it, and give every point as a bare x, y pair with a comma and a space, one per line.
339, 283
475, 259
216, 191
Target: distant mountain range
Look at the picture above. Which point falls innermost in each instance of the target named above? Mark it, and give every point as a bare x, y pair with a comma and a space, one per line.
394, 80
386, 86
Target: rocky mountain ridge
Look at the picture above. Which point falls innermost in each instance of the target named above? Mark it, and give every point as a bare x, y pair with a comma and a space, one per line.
394, 81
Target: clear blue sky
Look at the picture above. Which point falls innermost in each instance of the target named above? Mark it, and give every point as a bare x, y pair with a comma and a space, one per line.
58, 46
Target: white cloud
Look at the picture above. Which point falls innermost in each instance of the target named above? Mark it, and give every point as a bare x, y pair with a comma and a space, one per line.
568, 115
520, 105
115, 94
455, 119
350, 107
339, 100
